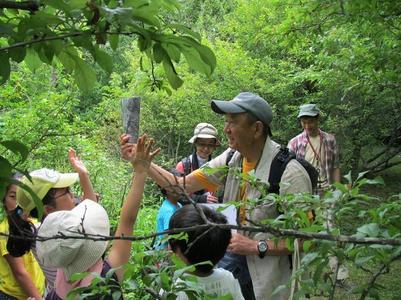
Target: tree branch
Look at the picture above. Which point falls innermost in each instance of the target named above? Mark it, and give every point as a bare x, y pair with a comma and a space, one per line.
266, 228
60, 37
23, 5
384, 269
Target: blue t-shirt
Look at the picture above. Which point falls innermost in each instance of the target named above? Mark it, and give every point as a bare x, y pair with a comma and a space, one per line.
164, 214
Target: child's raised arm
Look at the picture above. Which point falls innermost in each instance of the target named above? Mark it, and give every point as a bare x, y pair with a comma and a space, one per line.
79, 167
121, 249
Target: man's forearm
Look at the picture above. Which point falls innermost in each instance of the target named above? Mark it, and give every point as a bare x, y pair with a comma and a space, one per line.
164, 179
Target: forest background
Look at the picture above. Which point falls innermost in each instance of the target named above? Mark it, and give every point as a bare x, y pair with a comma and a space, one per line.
343, 55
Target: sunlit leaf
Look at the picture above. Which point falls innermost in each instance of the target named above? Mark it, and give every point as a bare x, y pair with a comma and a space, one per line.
32, 59
104, 60
113, 40
172, 76
85, 76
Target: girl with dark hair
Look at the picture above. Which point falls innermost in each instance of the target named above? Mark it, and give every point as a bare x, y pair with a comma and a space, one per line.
20, 277
53, 188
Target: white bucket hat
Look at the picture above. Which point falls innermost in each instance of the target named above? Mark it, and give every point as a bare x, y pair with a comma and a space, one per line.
42, 181
73, 255
205, 131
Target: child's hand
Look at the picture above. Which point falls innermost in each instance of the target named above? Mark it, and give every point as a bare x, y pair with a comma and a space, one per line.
76, 162
144, 155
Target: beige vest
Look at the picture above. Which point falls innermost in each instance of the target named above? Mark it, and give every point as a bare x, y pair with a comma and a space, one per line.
271, 271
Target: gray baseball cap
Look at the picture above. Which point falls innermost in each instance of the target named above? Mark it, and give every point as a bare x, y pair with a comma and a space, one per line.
245, 102
308, 110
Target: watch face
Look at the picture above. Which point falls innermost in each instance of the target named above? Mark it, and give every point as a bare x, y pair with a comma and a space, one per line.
262, 246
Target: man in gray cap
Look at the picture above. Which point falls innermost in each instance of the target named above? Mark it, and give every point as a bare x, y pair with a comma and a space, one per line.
317, 147
264, 265
320, 149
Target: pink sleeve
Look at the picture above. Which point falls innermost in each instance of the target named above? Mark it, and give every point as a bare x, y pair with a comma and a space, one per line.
180, 167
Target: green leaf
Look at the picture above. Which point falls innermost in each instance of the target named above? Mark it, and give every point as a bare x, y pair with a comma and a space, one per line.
16, 148
17, 54
308, 258
195, 61
32, 59
5, 67
113, 41
360, 261
46, 54
6, 29
147, 16
67, 57
116, 295
165, 280
76, 4
104, 60
361, 175
348, 177
158, 53
318, 271
173, 51
83, 41
171, 74
279, 289
38, 202
57, 46
78, 276
60, 5
177, 262
85, 76
186, 30
306, 245
144, 43
6, 167
205, 53
371, 230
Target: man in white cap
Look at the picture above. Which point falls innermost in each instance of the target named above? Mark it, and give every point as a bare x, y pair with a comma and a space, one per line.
247, 126
204, 141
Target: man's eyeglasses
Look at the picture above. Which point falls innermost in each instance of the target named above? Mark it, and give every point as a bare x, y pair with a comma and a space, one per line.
67, 191
209, 146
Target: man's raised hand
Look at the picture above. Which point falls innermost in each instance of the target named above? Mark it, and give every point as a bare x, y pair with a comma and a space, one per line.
127, 149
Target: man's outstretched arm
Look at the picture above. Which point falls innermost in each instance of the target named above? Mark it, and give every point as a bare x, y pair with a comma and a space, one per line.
161, 176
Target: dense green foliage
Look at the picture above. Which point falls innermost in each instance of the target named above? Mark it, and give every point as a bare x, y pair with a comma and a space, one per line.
63, 90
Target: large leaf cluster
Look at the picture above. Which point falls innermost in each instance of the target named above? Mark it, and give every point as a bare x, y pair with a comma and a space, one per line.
62, 30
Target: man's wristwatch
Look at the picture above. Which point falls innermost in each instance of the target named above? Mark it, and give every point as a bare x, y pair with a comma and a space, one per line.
262, 248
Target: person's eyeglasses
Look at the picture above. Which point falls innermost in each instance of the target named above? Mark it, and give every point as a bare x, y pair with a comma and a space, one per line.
209, 146
67, 191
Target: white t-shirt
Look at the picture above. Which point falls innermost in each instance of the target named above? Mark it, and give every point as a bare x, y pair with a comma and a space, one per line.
221, 282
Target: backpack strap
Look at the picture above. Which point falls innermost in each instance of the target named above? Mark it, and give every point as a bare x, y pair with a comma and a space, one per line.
277, 168
230, 156
186, 164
